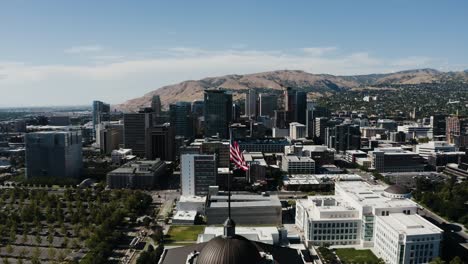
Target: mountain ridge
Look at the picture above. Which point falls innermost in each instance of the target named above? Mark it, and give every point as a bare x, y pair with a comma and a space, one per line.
315, 84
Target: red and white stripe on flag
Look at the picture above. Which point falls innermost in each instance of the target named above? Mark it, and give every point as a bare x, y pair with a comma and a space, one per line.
237, 157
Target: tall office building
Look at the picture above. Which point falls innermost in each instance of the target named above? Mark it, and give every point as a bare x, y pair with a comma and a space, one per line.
321, 124
156, 105
56, 154
281, 119
236, 112
135, 125
301, 107
268, 103
110, 136
198, 173
251, 104
218, 113
181, 118
160, 142
344, 137
198, 107
438, 124
101, 113
457, 131
290, 103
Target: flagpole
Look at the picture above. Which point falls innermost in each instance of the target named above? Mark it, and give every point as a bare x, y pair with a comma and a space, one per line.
229, 176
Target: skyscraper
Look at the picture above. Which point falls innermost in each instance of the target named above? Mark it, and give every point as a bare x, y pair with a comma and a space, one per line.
181, 118
438, 124
135, 125
101, 113
218, 113
156, 105
290, 101
251, 104
160, 142
268, 103
301, 107
344, 137
55, 154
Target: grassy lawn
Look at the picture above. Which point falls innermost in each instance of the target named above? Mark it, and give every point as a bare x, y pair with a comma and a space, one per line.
181, 234
351, 255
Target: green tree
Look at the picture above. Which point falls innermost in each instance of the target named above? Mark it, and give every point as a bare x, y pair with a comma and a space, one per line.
9, 249
437, 261
456, 260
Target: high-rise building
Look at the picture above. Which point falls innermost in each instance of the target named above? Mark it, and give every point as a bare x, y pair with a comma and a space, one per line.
181, 119
198, 107
301, 107
251, 104
344, 137
268, 103
321, 124
110, 136
156, 105
457, 131
218, 113
198, 173
55, 154
135, 125
160, 142
236, 112
438, 124
281, 119
101, 113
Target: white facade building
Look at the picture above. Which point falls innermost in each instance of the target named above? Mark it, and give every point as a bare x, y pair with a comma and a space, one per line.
417, 131
297, 130
402, 238
371, 216
198, 173
426, 149
298, 165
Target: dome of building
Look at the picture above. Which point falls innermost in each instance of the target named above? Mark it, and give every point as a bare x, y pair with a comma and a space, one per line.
397, 191
229, 250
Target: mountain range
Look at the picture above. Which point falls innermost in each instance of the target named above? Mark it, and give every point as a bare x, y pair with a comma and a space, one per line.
315, 84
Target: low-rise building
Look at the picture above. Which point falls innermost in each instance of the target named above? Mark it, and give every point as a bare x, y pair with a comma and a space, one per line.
184, 217
371, 216
242, 206
352, 155
297, 164
192, 203
426, 149
143, 174
395, 159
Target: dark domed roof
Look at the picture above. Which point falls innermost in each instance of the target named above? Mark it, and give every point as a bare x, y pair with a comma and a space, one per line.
397, 189
229, 250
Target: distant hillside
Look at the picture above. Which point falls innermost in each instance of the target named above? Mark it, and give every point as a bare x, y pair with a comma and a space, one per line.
318, 84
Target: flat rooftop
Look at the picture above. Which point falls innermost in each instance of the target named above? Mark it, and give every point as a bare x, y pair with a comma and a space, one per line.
256, 233
410, 224
244, 200
370, 195
196, 199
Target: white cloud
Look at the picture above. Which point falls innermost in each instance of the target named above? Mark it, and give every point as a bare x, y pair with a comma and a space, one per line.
117, 78
318, 51
83, 49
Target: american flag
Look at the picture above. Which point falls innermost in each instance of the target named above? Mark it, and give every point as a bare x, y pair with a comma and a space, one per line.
237, 157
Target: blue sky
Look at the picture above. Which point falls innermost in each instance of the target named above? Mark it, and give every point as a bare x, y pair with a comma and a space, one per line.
71, 52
